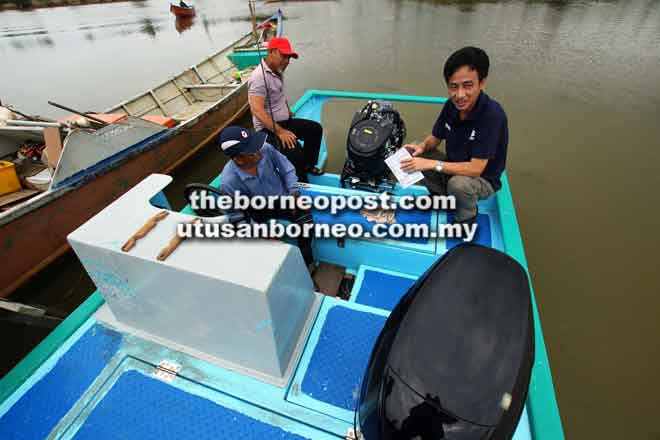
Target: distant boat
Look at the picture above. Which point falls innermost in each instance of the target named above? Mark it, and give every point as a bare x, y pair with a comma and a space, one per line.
154, 132
182, 10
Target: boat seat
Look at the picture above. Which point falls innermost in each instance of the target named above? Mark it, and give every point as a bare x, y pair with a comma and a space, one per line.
192, 110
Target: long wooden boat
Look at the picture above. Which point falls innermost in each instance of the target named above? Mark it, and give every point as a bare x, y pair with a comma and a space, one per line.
98, 166
227, 339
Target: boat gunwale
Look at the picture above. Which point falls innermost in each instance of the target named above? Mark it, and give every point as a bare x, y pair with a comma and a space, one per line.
545, 420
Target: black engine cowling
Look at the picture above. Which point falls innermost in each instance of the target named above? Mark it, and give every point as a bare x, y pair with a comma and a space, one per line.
376, 132
454, 358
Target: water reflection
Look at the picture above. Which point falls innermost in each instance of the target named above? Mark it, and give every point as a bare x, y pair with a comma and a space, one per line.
45, 41
146, 19
148, 27
17, 44
182, 24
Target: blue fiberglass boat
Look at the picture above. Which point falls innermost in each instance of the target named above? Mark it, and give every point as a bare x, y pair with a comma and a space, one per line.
197, 346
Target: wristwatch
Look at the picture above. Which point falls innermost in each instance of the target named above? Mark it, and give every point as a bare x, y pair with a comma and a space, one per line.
438, 167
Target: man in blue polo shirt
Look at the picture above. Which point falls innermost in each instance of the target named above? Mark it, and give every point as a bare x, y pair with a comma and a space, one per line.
474, 127
256, 168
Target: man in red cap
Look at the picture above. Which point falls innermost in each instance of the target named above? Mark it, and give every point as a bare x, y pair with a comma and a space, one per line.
272, 115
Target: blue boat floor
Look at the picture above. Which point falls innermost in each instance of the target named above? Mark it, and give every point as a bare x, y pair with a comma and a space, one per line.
101, 382
140, 406
102, 385
380, 288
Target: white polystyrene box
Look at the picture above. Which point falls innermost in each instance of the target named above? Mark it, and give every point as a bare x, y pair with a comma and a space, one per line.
245, 302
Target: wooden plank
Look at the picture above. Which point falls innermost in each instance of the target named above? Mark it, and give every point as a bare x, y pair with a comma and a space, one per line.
199, 75
166, 92
160, 104
16, 196
53, 146
183, 93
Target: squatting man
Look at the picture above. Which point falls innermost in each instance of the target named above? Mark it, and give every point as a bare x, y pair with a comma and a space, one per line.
474, 127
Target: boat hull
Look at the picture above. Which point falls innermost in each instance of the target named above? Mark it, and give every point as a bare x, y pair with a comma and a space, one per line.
34, 238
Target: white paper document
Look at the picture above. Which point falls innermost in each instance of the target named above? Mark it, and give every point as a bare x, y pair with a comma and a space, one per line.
394, 162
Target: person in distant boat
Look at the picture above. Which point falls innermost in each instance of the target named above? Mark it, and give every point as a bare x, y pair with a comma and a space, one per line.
183, 4
272, 115
475, 129
256, 168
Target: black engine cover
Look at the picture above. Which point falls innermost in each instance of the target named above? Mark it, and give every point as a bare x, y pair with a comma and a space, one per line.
454, 359
367, 144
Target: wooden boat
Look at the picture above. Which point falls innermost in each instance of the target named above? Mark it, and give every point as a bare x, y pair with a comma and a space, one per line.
226, 339
98, 166
182, 11
250, 54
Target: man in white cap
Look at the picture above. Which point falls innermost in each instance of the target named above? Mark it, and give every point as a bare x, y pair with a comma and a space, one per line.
258, 169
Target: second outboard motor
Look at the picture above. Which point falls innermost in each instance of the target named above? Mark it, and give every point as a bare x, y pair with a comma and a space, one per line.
376, 132
454, 358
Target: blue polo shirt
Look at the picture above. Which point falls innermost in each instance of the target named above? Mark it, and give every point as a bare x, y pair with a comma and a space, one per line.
276, 176
484, 134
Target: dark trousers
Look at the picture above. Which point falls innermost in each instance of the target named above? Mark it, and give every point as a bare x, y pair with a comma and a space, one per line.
302, 158
298, 216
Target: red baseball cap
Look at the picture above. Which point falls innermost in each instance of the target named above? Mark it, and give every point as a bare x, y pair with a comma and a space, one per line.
283, 45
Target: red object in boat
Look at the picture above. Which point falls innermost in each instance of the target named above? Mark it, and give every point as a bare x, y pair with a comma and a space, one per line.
181, 11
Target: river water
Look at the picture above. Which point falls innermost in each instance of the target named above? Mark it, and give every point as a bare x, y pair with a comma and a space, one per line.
580, 82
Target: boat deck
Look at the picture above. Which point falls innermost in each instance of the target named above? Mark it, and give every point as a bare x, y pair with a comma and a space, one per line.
105, 383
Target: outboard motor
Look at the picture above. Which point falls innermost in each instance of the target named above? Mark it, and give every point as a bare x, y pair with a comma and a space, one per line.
376, 132
454, 358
